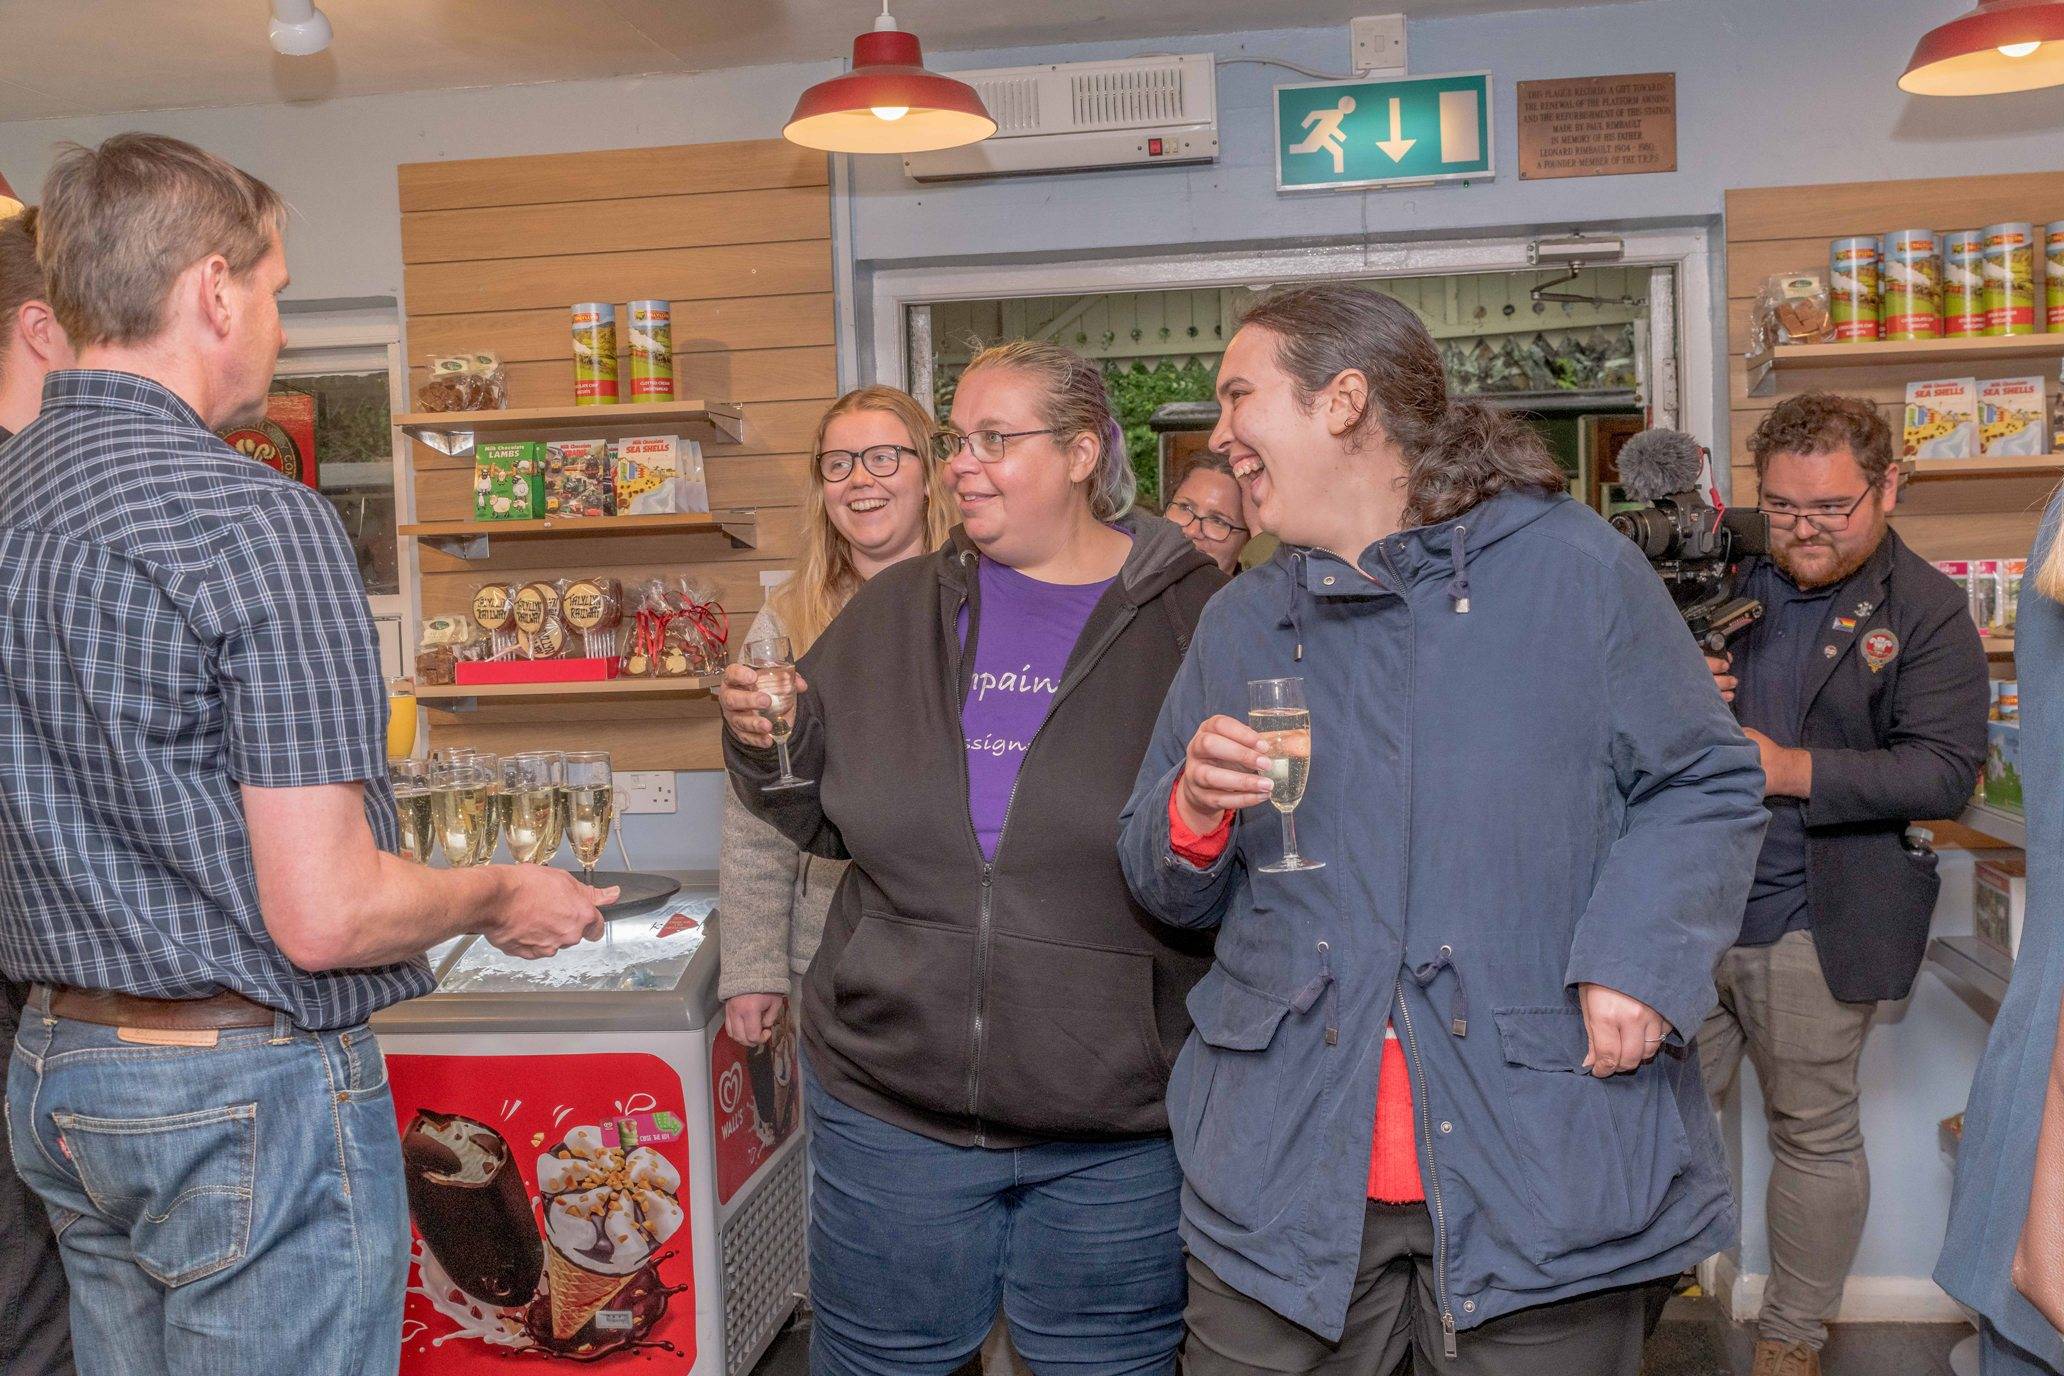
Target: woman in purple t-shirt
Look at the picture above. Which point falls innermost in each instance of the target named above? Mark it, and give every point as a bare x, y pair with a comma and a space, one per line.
990, 1020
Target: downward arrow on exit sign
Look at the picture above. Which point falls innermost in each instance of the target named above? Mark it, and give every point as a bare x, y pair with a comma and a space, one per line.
1346, 134
1395, 145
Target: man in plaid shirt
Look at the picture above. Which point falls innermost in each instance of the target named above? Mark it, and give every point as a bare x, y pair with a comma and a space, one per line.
194, 814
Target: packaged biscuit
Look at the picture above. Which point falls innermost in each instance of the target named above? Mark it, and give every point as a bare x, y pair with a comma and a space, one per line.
1941, 419
578, 480
659, 475
2011, 573
592, 609
509, 480
540, 631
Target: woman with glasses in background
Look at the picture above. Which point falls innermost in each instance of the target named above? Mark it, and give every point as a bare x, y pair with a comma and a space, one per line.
1208, 508
991, 1017
874, 499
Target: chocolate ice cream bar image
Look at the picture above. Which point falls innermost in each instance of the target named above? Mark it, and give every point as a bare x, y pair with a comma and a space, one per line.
759, 1063
471, 1207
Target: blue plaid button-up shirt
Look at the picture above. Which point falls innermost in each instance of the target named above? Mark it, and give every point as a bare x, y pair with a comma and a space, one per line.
175, 621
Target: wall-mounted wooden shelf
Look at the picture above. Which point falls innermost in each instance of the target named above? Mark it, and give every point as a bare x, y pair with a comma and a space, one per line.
1999, 647
2007, 828
1889, 353
471, 539
2033, 465
709, 422
458, 696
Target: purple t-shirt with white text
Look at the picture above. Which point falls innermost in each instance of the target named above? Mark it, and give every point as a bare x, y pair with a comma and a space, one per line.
1029, 629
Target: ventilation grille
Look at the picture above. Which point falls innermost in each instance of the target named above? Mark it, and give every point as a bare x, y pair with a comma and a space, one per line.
1013, 103
1141, 95
764, 1263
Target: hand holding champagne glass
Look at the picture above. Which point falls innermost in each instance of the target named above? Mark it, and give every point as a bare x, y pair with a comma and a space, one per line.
776, 684
1277, 714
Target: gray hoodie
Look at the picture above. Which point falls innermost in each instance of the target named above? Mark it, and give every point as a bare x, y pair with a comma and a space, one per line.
772, 896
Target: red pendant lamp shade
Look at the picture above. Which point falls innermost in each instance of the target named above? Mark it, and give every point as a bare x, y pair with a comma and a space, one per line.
888, 103
10, 204
2003, 45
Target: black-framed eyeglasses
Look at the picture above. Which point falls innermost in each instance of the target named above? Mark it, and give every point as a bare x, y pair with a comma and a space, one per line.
882, 460
1826, 522
1214, 525
988, 446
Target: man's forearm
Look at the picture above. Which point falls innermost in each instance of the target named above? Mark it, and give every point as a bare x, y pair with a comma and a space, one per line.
386, 909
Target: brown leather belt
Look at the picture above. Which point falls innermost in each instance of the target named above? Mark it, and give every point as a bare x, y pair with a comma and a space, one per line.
105, 1008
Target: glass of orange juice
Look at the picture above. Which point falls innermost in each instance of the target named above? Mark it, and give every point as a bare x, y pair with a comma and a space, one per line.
401, 718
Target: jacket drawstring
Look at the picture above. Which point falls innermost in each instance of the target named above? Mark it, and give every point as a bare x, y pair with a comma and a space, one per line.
1293, 613
1423, 975
1320, 985
1458, 589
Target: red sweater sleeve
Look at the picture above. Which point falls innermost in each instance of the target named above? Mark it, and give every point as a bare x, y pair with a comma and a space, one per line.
1201, 851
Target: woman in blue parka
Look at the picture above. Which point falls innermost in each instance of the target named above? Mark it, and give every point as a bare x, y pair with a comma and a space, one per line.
1538, 823
1997, 1159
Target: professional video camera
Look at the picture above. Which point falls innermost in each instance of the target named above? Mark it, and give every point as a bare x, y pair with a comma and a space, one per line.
1695, 546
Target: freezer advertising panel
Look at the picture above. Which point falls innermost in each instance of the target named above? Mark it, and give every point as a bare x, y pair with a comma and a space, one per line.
549, 1220
757, 1102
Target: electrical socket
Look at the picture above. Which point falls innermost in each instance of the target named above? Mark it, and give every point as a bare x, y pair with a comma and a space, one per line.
647, 790
1379, 42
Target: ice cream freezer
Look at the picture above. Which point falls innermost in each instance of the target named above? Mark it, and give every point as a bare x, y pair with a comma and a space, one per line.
597, 1174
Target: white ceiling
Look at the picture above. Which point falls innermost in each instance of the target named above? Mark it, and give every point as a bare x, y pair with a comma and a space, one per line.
84, 57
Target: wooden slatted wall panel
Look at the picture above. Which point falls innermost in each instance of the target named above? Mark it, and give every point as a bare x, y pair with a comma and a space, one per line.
738, 237
1787, 229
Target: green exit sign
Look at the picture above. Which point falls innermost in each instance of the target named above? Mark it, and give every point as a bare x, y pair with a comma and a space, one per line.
1335, 135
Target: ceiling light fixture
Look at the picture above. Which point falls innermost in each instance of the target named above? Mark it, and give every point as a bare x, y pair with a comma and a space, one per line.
299, 29
2001, 46
888, 102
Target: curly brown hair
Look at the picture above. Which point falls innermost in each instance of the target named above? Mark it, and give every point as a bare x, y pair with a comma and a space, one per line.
1821, 423
21, 279
1457, 453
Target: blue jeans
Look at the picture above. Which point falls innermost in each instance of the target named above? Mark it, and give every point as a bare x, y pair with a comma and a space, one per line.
913, 1243
227, 1208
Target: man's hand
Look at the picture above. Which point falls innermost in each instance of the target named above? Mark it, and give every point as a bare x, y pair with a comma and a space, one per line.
1625, 1033
752, 1018
745, 706
1723, 675
1219, 774
543, 911
1787, 773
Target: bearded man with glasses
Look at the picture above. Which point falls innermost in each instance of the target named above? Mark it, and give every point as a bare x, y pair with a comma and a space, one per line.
1864, 687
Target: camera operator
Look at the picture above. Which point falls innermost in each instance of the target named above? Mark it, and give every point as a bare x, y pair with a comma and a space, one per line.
1864, 687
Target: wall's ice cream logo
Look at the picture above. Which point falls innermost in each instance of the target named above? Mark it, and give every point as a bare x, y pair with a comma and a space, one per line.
606, 1213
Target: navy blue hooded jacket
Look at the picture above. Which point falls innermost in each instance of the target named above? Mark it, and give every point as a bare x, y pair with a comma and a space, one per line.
1522, 779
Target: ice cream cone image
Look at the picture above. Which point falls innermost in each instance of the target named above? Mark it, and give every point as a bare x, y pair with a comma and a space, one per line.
606, 1211
578, 1294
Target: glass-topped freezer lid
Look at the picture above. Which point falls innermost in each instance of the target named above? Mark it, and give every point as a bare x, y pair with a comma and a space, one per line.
649, 952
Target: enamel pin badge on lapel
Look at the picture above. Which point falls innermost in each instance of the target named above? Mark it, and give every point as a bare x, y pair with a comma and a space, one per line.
1879, 649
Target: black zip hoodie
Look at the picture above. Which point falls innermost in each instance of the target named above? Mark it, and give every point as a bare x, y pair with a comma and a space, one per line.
1009, 1002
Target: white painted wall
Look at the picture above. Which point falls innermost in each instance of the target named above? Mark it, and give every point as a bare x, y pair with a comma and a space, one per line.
1769, 92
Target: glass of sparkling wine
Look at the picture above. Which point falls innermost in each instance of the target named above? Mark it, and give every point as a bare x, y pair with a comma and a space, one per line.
411, 780
533, 805
771, 658
466, 811
1276, 710
590, 805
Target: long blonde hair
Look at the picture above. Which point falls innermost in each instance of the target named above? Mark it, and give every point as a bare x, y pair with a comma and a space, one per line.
825, 576
2049, 579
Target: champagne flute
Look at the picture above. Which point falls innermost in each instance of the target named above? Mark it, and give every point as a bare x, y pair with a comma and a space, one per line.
770, 658
590, 808
1276, 711
466, 810
411, 780
533, 805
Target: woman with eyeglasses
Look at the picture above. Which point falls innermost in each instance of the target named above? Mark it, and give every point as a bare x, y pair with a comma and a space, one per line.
991, 1018
874, 499
1208, 508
